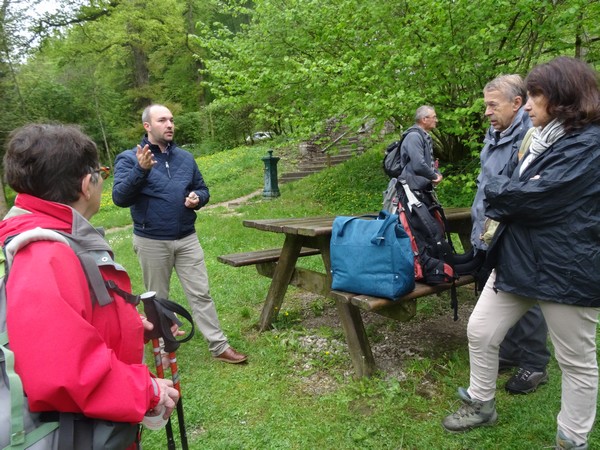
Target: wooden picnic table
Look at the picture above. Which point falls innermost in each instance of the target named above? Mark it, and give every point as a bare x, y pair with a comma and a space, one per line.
308, 236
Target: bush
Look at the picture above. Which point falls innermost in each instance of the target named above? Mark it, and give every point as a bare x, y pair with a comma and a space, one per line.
188, 128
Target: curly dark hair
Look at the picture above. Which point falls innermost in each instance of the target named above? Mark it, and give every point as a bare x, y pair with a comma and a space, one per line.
571, 88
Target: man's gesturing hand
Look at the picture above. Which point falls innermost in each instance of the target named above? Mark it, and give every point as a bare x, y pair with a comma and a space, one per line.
144, 157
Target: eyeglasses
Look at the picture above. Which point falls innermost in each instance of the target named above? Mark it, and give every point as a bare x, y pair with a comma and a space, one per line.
104, 172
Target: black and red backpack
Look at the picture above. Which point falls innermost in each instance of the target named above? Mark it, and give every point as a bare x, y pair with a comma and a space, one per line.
423, 218
436, 261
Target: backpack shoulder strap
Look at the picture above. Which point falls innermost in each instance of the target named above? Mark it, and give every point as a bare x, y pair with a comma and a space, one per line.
14, 244
19, 437
92, 273
97, 284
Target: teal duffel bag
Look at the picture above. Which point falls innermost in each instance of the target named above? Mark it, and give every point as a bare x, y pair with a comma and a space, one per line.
372, 255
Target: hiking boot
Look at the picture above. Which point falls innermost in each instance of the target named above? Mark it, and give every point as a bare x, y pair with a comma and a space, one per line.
525, 381
471, 414
564, 443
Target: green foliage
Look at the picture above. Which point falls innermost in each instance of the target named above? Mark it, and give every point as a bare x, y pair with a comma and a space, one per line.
188, 128
225, 125
228, 68
301, 62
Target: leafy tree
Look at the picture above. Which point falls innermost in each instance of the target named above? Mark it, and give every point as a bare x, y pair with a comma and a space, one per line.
112, 60
302, 61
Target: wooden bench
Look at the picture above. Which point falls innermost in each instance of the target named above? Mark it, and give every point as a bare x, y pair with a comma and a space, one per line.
403, 309
260, 257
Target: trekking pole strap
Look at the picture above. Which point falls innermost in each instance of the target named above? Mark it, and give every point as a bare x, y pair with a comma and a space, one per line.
162, 313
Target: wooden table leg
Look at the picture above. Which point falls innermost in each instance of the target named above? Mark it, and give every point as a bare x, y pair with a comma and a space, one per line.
281, 278
356, 337
323, 245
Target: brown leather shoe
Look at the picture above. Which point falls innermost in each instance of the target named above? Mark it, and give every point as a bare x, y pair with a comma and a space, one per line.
231, 356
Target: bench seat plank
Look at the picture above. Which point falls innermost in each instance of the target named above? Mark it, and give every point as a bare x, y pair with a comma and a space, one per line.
260, 256
374, 304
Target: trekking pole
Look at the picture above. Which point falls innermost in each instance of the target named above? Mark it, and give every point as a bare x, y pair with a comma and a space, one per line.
177, 385
162, 313
161, 374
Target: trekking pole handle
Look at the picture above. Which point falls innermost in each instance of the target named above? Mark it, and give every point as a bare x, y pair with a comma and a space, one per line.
147, 295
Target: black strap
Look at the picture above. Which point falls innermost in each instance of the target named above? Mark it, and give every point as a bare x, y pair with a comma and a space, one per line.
69, 438
162, 313
129, 298
454, 300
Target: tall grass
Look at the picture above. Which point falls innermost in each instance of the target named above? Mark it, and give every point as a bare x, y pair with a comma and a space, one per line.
295, 396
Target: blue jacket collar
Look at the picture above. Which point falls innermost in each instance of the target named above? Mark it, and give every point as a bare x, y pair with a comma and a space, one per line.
155, 148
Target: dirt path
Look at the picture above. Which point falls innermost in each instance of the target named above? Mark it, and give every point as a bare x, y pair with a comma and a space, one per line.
235, 202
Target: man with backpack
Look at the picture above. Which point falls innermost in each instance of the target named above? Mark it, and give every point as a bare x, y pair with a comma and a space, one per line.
411, 159
79, 359
416, 152
524, 346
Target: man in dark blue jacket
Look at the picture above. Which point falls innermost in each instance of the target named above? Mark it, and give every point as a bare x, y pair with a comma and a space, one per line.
163, 187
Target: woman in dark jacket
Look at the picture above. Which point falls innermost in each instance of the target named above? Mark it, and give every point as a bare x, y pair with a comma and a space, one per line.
546, 250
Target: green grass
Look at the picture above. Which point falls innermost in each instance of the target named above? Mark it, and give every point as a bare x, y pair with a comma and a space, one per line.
271, 403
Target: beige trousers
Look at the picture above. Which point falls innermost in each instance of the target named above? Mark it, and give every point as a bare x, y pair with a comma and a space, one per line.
159, 258
572, 330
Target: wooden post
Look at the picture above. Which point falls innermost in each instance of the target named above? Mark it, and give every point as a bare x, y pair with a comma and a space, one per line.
281, 279
356, 337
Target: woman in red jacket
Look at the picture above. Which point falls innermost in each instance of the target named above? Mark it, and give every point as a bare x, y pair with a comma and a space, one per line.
72, 354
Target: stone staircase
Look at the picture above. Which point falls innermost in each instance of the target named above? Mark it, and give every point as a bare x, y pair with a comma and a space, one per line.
315, 157
317, 163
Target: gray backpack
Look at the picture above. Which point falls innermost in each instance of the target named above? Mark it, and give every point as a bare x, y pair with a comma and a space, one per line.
19, 427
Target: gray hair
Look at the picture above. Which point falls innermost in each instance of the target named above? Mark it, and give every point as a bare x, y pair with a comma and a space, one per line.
422, 112
510, 86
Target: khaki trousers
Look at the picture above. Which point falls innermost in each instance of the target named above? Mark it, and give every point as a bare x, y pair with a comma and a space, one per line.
572, 330
159, 258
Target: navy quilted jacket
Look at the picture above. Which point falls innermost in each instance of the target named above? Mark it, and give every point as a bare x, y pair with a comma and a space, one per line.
156, 197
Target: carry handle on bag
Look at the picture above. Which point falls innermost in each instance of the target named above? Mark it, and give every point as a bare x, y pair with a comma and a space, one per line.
371, 255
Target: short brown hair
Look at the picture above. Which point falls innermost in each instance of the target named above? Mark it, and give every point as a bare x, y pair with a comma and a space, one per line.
571, 88
49, 161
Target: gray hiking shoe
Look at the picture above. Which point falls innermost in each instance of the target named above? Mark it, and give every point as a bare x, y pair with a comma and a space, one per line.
525, 381
471, 414
564, 443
